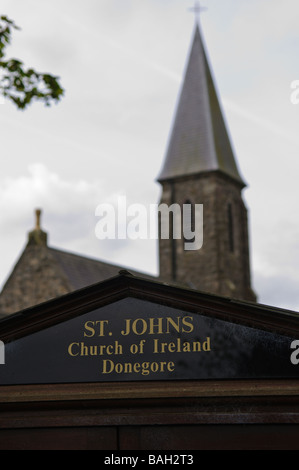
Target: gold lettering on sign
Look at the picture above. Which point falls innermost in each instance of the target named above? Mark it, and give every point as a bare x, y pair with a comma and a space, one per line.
181, 346
81, 349
144, 368
162, 338
158, 326
95, 327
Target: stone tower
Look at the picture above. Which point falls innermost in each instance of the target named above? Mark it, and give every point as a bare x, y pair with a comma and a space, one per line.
200, 168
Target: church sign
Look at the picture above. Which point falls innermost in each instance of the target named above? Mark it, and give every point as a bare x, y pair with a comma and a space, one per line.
151, 345
137, 340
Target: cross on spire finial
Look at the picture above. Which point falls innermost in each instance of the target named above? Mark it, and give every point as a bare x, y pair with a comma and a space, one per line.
197, 9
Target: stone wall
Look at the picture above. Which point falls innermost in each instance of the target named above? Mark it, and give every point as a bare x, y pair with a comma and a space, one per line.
222, 265
35, 279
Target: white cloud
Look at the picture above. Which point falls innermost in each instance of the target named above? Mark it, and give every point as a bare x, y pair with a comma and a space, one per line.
41, 187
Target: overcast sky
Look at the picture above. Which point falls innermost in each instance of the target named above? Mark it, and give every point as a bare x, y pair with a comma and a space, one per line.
121, 63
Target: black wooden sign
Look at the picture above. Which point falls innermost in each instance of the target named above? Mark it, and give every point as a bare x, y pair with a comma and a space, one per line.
135, 340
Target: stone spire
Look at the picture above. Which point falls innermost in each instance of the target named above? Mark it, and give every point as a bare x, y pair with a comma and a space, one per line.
199, 141
200, 168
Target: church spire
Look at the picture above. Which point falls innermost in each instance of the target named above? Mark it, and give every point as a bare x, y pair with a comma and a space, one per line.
199, 141
200, 168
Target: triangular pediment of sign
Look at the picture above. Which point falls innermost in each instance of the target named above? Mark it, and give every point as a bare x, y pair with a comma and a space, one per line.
132, 329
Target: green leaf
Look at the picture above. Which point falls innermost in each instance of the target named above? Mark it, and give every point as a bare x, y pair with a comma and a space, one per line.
22, 86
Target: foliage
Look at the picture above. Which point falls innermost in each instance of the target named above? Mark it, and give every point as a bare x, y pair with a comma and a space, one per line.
23, 86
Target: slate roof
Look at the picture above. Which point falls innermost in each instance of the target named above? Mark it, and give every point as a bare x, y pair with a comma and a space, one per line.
199, 141
81, 271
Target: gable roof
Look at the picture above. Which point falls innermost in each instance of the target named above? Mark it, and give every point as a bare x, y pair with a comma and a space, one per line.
56, 342
125, 284
199, 141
